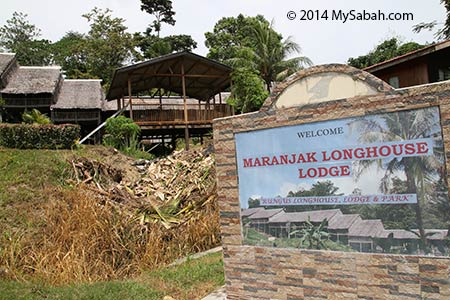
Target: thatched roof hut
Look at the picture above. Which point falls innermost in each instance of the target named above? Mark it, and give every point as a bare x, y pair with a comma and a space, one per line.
34, 80
8, 64
80, 94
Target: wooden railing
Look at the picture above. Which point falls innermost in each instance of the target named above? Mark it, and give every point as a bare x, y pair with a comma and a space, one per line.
75, 115
27, 102
174, 113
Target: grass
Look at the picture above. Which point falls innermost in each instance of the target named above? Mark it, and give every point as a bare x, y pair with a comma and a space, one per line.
62, 241
193, 279
24, 172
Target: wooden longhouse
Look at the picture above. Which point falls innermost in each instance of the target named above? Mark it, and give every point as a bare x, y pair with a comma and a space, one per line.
196, 80
28, 88
80, 101
8, 64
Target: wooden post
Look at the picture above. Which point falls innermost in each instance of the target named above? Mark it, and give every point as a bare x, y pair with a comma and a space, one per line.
130, 100
186, 128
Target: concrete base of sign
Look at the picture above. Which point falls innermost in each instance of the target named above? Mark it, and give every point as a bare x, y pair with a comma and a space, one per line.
273, 273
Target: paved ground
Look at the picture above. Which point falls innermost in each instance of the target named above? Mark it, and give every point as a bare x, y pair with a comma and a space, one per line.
217, 295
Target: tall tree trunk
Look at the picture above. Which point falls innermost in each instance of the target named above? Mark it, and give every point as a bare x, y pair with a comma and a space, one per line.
412, 189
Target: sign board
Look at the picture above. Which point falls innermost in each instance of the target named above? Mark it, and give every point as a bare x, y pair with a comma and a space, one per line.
372, 183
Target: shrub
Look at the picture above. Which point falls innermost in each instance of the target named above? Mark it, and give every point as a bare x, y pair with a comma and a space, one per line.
122, 133
35, 117
26, 136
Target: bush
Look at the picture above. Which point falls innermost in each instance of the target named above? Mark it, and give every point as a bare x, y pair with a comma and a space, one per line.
122, 133
26, 136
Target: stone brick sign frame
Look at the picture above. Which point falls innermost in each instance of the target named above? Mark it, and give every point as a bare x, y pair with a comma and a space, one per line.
273, 273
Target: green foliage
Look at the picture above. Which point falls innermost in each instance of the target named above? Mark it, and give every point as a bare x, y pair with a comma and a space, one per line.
312, 236
387, 49
271, 54
122, 133
154, 46
25, 136
258, 55
161, 10
71, 53
108, 46
444, 32
230, 34
252, 203
191, 279
35, 117
18, 35
248, 92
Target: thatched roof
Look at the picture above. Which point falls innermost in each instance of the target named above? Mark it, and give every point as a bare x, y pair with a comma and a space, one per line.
33, 80
432, 234
265, 214
342, 221
315, 216
6, 59
250, 211
80, 94
8, 64
367, 228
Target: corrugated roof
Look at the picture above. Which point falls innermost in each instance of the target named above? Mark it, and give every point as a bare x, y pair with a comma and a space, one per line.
81, 94
250, 211
204, 77
33, 80
342, 221
367, 228
315, 216
266, 213
408, 56
432, 234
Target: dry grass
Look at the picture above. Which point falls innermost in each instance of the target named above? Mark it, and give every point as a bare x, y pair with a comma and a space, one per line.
84, 240
78, 236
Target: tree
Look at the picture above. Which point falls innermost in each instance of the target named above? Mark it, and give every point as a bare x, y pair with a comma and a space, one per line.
18, 35
419, 171
108, 46
248, 93
313, 237
271, 54
153, 46
387, 49
254, 49
161, 10
230, 35
444, 32
71, 53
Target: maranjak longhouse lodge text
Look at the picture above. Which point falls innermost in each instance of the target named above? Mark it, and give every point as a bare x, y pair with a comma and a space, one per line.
330, 158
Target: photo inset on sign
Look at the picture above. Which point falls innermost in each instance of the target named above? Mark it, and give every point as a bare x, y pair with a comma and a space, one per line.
369, 184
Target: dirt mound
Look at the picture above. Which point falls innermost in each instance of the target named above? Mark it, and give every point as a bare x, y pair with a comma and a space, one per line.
113, 227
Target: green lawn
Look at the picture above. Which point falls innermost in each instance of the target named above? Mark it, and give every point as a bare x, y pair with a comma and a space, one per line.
191, 280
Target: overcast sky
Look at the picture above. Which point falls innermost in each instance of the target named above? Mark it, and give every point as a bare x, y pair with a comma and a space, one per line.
322, 41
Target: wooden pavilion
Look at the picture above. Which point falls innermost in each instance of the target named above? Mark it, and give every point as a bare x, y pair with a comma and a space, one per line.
197, 80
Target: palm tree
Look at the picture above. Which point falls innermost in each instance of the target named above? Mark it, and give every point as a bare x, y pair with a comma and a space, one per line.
270, 55
35, 117
420, 172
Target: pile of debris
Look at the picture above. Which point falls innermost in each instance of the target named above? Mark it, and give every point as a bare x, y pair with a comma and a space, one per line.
169, 190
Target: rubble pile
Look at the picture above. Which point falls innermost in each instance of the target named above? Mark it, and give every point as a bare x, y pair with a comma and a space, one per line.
170, 190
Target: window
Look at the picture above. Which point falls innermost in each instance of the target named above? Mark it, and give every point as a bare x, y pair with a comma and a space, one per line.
444, 74
394, 82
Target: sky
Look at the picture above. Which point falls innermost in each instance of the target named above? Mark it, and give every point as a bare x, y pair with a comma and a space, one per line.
323, 41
